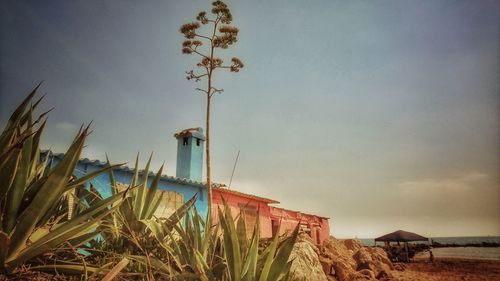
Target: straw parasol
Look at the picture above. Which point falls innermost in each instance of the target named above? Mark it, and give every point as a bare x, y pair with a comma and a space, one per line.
401, 236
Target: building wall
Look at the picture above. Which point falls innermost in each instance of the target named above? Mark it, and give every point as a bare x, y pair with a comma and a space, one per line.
269, 217
102, 184
317, 227
235, 202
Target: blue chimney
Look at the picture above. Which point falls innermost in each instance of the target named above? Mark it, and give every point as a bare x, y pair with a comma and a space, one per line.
190, 154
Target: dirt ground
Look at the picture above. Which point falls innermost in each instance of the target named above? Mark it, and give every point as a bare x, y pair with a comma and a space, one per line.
448, 269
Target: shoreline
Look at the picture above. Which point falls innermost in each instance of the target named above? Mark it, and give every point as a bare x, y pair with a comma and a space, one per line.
451, 258
472, 253
449, 269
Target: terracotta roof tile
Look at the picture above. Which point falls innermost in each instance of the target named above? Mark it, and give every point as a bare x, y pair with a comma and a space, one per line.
246, 195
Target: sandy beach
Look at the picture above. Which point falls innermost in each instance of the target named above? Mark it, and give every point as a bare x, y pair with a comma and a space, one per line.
450, 269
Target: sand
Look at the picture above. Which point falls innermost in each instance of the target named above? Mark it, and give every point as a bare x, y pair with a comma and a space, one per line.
450, 269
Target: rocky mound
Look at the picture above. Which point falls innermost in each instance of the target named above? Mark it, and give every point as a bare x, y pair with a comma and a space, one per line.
348, 260
306, 264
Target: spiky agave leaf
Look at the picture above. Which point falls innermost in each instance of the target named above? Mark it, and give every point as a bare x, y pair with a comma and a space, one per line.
49, 193
139, 199
231, 243
6, 138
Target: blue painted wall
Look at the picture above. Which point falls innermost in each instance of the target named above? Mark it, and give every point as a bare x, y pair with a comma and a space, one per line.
124, 175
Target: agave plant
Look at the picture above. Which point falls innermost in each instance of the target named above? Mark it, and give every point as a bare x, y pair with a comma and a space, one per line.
244, 261
32, 193
191, 248
224, 252
128, 232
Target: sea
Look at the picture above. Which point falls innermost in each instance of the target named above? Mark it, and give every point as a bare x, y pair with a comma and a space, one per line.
462, 247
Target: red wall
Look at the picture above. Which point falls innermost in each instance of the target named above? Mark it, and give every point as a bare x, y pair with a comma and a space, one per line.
271, 217
234, 202
317, 227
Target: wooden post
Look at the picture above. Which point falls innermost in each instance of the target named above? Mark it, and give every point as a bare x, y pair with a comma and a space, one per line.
406, 250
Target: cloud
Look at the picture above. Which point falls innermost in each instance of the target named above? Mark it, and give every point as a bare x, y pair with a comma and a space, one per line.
66, 127
470, 195
463, 182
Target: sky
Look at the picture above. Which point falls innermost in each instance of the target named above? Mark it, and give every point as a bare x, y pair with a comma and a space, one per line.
381, 115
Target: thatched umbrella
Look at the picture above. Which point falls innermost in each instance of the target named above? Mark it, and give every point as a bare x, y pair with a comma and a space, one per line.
401, 236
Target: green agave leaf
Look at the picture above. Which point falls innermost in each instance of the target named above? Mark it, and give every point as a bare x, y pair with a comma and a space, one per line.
49, 193
184, 244
35, 151
26, 115
232, 236
55, 212
86, 215
250, 265
279, 266
231, 247
241, 232
41, 170
139, 204
175, 250
32, 190
155, 228
154, 206
210, 242
91, 176
14, 121
4, 246
77, 241
149, 206
136, 172
203, 268
198, 230
15, 194
69, 230
264, 274
112, 180
8, 171
179, 214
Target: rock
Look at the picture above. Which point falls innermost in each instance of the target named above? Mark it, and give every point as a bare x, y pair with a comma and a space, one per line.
326, 264
382, 270
367, 272
353, 245
340, 256
358, 276
364, 260
382, 274
400, 267
380, 255
348, 260
331, 278
342, 270
306, 264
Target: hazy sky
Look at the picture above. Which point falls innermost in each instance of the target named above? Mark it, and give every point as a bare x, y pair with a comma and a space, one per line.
382, 115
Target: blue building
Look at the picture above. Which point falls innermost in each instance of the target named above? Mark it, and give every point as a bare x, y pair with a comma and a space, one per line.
177, 190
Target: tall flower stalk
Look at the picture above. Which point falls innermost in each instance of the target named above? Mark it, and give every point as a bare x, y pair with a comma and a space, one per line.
218, 34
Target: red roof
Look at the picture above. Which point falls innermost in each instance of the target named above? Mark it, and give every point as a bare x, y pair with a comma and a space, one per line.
195, 132
250, 196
